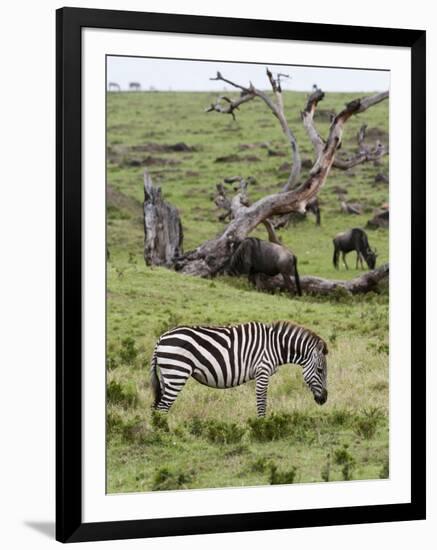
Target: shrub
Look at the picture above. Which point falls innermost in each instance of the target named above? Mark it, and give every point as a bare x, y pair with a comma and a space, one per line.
281, 478
273, 427
111, 362
216, 431
333, 336
260, 464
134, 430
384, 473
383, 348
114, 422
128, 352
342, 457
341, 295
196, 426
237, 450
166, 479
222, 432
160, 421
299, 426
131, 430
341, 417
367, 424
122, 394
326, 470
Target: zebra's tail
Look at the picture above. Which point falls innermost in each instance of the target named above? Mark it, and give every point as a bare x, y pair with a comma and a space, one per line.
296, 278
155, 382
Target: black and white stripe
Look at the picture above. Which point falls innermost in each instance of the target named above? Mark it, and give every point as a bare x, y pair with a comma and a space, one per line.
224, 357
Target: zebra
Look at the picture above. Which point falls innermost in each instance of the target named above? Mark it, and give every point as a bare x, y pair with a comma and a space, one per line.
227, 356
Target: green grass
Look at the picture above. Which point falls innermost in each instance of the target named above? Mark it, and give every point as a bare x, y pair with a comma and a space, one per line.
210, 437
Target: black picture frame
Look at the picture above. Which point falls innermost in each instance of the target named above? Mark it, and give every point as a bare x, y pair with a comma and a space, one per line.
69, 525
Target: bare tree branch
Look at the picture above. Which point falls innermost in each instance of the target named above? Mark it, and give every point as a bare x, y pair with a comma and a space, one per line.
365, 154
369, 101
277, 108
273, 238
239, 202
231, 105
308, 120
219, 76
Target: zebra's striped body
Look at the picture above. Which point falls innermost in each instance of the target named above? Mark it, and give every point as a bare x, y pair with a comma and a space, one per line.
224, 357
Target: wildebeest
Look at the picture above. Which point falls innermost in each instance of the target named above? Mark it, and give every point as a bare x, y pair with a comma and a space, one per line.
354, 239
380, 219
254, 256
314, 207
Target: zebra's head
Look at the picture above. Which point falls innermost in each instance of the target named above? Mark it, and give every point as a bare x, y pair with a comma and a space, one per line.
315, 373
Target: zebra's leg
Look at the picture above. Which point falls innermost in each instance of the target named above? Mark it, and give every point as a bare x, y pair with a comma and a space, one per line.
262, 384
172, 382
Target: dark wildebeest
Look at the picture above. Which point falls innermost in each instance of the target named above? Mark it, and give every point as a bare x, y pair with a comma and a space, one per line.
354, 239
254, 256
314, 207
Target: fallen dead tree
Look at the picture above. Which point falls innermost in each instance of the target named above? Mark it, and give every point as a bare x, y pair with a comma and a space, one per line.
316, 285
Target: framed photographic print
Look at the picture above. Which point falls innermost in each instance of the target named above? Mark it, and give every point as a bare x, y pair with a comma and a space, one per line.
240, 274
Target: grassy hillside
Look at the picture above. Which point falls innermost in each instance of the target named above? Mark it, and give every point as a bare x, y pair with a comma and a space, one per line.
211, 438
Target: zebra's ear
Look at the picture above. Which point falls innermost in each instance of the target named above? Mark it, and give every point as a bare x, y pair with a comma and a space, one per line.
323, 347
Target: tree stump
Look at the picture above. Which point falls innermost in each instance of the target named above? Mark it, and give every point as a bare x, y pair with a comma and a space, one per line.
163, 234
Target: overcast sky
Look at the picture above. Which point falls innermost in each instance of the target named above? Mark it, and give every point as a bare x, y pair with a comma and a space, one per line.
170, 74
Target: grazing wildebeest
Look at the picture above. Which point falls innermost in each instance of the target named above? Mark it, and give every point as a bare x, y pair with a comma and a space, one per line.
134, 86
114, 86
354, 239
254, 256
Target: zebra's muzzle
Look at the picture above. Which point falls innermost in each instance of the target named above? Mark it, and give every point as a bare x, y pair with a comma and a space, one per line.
321, 398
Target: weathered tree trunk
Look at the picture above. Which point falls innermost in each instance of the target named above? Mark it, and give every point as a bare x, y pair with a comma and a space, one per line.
163, 235
316, 285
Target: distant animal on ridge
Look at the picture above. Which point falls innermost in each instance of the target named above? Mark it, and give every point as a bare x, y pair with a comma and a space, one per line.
134, 86
228, 356
114, 86
254, 256
354, 239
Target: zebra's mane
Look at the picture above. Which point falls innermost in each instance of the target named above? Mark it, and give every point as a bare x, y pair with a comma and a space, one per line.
279, 324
